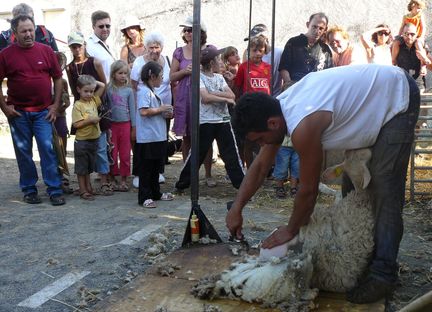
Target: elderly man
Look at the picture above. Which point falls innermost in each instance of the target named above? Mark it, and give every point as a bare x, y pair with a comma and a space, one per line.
29, 68
344, 52
407, 58
307, 52
99, 49
42, 34
347, 108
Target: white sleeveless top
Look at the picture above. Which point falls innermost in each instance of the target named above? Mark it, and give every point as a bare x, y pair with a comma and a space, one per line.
362, 99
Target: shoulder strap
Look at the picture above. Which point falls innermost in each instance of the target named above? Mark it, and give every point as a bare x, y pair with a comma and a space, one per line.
105, 47
45, 33
168, 61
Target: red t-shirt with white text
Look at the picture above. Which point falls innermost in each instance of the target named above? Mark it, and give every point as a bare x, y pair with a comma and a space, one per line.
29, 73
258, 79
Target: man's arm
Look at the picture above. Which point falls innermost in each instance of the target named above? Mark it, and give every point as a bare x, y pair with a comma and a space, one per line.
306, 140
286, 79
8, 110
252, 181
52, 109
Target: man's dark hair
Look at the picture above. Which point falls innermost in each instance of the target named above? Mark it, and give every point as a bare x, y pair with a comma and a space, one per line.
252, 112
319, 14
99, 15
20, 18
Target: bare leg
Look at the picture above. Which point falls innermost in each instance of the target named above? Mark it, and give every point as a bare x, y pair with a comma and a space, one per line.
186, 145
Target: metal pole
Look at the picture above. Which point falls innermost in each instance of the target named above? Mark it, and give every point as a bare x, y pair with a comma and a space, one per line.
248, 48
272, 47
196, 51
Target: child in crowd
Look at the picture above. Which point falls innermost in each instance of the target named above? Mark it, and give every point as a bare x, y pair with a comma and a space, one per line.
231, 59
214, 120
287, 159
120, 97
85, 119
415, 17
253, 76
60, 123
151, 139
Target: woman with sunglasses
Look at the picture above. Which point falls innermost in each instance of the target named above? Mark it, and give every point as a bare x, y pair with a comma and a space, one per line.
181, 70
134, 40
377, 43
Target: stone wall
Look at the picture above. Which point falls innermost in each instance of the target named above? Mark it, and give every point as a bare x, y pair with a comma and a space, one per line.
227, 20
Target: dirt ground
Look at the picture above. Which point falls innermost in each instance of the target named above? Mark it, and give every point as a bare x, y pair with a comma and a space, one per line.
415, 256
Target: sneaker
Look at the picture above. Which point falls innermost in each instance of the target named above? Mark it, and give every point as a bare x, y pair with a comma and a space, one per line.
149, 203
57, 200
167, 197
161, 178
370, 290
32, 198
135, 182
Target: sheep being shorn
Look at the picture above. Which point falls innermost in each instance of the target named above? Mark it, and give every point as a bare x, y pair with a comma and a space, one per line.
331, 253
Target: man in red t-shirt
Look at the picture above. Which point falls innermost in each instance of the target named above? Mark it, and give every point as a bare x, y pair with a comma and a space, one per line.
29, 68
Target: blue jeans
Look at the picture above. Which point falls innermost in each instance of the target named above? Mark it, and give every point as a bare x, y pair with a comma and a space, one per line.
286, 159
23, 129
102, 164
388, 168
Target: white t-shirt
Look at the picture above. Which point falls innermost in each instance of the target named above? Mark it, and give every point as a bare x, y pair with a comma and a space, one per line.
362, 99
95, 49
149, 128
164, 91
213, 112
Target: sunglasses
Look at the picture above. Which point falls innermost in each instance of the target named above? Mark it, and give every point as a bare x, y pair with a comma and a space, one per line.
381, 33
107, 26
187, 30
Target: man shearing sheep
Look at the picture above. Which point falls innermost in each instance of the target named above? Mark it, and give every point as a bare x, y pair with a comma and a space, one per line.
341, 108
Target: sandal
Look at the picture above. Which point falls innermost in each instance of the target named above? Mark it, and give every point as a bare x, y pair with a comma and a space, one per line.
280, 192
167, 197
106, 190
293, 191
211, 182
149, 203
87, 196
121, 188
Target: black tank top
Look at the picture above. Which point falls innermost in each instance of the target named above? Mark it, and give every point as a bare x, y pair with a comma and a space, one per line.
86, 68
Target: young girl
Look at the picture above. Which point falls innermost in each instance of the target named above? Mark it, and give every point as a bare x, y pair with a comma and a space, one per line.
119, 96
151, 137
415, 17
85, 119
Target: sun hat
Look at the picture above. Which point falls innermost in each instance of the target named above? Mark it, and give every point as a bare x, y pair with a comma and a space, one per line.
131, 21
189, 23
75, 37
258, 29
209, 53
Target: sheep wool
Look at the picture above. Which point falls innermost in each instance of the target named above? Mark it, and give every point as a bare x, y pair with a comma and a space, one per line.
340, 240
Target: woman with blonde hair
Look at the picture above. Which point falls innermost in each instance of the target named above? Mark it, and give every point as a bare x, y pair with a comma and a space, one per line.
134, 41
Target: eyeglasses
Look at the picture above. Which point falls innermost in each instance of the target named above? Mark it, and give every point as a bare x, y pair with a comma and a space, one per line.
383, 33
410, 34
187, 30
107, 26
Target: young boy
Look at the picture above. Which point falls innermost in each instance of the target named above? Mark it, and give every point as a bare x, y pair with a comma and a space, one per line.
85, 119
259, 76
253, 76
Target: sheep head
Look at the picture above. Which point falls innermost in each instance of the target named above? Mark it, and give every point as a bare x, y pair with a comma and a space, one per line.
355, 166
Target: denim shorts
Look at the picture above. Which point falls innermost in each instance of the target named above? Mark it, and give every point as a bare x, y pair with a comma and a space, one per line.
287, 159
